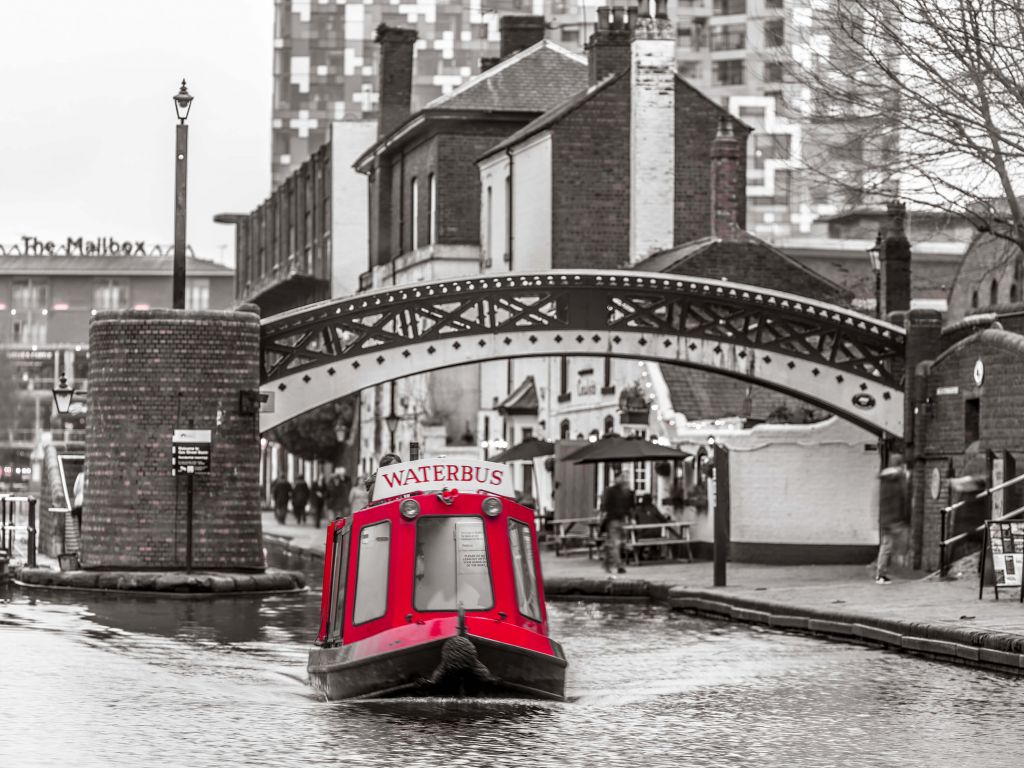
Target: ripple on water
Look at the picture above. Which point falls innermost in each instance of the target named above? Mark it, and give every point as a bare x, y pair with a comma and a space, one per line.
122, 681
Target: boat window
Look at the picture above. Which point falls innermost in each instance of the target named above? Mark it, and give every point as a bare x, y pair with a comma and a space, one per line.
524, 568
372, 572
338, 583
452, 569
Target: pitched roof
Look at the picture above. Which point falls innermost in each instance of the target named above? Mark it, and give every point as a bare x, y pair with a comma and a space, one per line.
701, 395
18, 264
532, 80
738, 259
555, 114
523, 401
558, 112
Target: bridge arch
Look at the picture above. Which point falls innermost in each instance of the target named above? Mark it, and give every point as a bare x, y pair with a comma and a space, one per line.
845, 362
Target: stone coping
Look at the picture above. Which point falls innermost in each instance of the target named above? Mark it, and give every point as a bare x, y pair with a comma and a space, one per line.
999, 651
165, 583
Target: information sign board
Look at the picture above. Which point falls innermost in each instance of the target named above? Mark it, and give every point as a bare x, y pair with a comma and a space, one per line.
1004, 541
190, 451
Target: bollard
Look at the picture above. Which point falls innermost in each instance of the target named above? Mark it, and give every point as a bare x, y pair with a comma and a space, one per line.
31, 532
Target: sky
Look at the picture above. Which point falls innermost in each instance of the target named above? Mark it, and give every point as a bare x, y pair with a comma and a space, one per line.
87, 121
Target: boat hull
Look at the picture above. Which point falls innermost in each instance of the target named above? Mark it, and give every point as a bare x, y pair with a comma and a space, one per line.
457, 665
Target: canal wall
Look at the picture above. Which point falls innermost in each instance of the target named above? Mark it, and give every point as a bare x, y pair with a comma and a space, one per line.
998, 651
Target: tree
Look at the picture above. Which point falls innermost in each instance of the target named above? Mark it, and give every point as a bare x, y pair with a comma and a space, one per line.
921, 96
326, 433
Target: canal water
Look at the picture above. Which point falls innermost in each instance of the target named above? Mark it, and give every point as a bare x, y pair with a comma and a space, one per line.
116, 681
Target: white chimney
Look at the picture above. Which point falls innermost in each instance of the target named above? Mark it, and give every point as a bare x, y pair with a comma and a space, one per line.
652, 167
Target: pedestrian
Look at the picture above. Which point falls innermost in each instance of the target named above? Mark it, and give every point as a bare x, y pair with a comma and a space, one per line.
78, 491
300, 498
893, 495
344, 508
281, 490
316, 500
358, 497
616, 505
336, 496
387, 460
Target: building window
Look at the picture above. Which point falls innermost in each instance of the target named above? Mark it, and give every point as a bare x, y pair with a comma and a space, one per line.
972, 420
564, 430
993, 293
782, 188
570, 36
1013, 293
431, 209
563, 379
690, 70
729, 72
774, 33
607, 374
489, 214
414, 204
773, 72
30, 300
728, 7
197, 293
974, 300
772, 3
728, 37
109, 294
372, 572
609, 424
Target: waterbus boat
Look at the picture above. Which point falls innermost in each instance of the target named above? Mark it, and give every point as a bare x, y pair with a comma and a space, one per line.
435, 590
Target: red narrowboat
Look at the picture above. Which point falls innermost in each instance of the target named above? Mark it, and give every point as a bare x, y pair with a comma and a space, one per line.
435, 590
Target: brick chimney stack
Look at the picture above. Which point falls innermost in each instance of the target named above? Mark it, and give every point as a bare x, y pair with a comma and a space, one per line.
727, 195
894, 288
396, 55
609, 45
519, 32
652, 169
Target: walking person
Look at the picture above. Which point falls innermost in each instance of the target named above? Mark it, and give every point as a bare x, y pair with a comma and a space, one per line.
281, 490
893, 495
358, 497
316, 500
616, 504
300, 498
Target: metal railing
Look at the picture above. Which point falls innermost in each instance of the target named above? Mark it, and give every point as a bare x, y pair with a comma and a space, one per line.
8, 526
945, 513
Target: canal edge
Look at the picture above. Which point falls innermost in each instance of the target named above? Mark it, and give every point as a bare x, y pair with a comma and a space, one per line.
994, 651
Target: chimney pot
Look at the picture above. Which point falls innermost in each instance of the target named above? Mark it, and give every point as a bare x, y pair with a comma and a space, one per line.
618, 16
608, 48
661, 9
631, 13
602, 18
645, 9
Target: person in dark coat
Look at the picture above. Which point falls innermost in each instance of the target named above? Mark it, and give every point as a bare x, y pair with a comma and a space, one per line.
616, 506
387, 460
893, 498
300, 498
316, 500
281, 490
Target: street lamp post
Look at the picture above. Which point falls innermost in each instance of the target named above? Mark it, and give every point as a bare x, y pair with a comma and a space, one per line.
875, 254
182, 105
64, 394
392, 419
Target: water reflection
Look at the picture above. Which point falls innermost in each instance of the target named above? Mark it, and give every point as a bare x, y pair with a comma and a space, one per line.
120, 681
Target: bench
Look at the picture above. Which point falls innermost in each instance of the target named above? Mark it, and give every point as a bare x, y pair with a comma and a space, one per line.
575, 535
671, 533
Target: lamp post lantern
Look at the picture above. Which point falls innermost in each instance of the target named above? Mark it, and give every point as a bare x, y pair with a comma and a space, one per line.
391, 420
62, 395
182, 105
875, 255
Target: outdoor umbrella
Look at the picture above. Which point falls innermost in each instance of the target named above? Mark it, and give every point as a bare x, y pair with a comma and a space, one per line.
529, 449
618, 448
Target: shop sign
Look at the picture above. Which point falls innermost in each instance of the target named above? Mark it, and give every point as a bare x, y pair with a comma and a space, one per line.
431, 475
79, 246
954, 390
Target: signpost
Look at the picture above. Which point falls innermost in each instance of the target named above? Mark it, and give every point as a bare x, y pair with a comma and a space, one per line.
190, 453
1005, 541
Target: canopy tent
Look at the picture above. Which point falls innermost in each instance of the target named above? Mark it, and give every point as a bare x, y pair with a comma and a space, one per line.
527, 450
618, 448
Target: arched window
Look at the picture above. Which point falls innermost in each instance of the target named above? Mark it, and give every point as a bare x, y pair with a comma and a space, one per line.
563, 429
974, 300
609, 424
993, 293
1013, 293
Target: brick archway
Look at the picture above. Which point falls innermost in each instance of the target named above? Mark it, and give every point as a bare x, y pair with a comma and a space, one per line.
845, 362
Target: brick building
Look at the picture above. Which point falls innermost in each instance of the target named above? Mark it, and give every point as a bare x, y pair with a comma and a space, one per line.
424, 201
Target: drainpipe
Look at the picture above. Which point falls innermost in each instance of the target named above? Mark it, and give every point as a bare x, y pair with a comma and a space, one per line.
510, 237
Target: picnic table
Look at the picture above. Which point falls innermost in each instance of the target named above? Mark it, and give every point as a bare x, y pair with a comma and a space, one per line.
671, 533
575, 535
